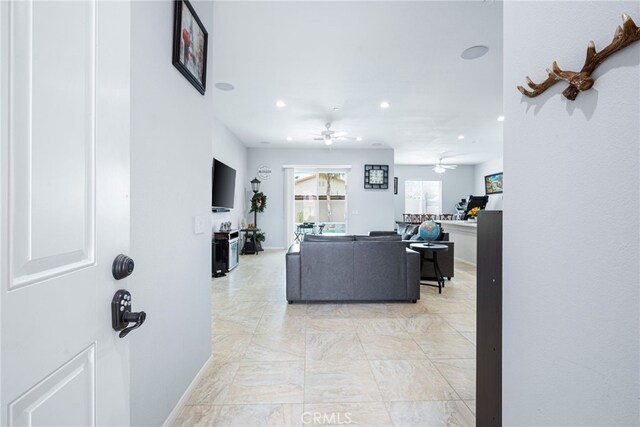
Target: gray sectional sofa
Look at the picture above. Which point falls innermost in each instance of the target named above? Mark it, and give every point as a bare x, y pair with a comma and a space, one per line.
352, 268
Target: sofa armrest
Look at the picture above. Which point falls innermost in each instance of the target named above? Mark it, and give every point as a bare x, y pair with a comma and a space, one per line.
413, 274
292, 260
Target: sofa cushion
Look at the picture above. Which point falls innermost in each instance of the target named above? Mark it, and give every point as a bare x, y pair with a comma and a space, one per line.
387, 238
327, 238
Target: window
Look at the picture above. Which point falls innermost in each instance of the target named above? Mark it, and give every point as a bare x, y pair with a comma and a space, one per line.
423, 197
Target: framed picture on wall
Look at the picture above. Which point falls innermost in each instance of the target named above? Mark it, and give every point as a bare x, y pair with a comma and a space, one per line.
493, 183
190, 45
395, 185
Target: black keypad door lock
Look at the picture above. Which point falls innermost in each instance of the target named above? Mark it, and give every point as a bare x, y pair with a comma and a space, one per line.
122, 267
121, 314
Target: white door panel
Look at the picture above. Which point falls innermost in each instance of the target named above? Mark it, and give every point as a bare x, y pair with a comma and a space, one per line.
64, 178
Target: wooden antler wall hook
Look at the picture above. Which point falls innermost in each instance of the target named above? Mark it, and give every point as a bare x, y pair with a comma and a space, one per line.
582, 80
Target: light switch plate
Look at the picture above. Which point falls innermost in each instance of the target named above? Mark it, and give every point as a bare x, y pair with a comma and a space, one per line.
200, 223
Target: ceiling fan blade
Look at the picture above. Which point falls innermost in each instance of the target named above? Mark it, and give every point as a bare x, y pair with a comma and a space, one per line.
340, 133
449, 166
318, 139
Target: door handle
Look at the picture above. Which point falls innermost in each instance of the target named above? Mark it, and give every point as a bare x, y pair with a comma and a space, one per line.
121, 314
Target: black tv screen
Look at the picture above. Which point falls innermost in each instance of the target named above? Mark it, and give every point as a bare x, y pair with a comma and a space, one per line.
224, 185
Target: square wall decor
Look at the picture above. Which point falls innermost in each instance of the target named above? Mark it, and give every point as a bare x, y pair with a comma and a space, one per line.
376, 177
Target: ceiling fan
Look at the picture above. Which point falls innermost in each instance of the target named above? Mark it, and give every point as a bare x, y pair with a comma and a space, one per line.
440, 168
328, 135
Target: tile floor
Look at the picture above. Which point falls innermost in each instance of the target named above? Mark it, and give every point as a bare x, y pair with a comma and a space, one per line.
276, 364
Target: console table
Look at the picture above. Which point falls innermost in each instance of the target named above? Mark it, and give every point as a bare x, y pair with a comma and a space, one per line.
250, 244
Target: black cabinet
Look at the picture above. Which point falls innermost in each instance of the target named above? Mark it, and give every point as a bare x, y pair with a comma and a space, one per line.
489, 320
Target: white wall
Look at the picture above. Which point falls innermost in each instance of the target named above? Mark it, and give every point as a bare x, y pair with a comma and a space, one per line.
480, 171
231, 151
456, 184
571, 351
367, 209
170, 184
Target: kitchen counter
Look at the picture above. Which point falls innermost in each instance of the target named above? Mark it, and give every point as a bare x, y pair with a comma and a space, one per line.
464, 235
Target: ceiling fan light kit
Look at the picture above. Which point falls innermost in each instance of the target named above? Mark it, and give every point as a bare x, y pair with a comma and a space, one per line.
581, 81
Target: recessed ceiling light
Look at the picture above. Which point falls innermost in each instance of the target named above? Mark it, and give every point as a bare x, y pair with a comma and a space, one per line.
501, 118
280, 104
265, 142
358, 138
474, 52
376, 144
460, 136
224, 86
384, 105
336, 109
289, 138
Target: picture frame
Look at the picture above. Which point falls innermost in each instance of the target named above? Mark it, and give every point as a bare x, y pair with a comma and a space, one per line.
190, 42
395, 185
376, 177
493, 183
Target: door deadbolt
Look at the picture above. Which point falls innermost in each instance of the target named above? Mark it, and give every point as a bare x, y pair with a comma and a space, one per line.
122, 267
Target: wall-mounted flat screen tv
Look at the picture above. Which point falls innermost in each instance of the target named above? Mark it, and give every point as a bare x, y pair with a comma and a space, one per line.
223, 186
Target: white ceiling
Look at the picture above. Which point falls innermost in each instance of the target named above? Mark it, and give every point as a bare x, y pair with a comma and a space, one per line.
353, 55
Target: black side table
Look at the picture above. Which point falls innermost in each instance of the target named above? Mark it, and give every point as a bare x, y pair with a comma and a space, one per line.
423, 248
250, 241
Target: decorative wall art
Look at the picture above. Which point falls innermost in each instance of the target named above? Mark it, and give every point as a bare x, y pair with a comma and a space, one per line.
190, 45
582, 80
376, 177
493, 183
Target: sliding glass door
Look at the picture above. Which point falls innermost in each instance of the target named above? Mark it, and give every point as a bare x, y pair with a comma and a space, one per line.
320, 197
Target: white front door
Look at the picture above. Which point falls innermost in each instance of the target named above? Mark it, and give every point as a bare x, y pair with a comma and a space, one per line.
64, 206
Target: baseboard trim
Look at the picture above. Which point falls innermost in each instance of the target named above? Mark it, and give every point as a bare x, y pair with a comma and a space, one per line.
176, 410
273, 247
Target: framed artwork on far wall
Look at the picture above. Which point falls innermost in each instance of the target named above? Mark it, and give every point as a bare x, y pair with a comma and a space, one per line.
493, 183
395, 185
190, 45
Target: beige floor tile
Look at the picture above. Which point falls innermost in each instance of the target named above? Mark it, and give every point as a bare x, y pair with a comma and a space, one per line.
379, 326
241, 308
214, 385
404, 380
229, 348
282, 308
281, 324
346, 414
426, 323
444, 305
461, 374
461, 322
445, 345
276, 415
328, 325
368, 311
327, 310
471, 336
409, 310
451, 413
275, 348
332, 346
233, 325
197, 416
339, 381
251, 316
472, 405
391, 347
268, 382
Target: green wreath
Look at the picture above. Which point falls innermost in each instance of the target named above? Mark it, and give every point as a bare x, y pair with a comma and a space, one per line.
258, 202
